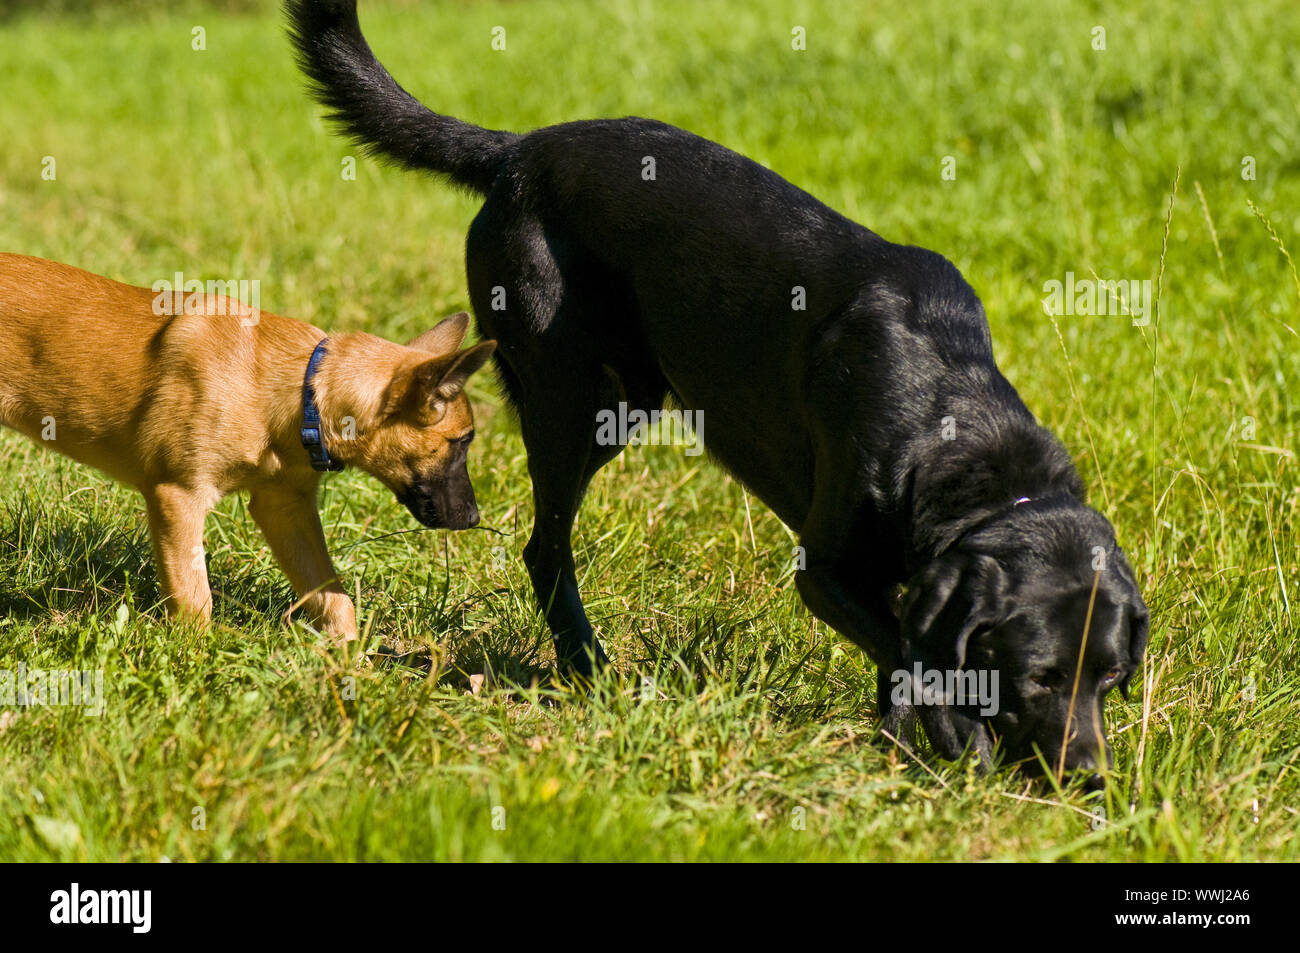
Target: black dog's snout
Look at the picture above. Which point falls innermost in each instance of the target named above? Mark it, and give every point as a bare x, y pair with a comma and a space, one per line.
1094, 784
1081, 764
1084, 770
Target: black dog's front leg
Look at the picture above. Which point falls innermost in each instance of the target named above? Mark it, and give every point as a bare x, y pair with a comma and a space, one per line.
866, 619
844, 591
862, 616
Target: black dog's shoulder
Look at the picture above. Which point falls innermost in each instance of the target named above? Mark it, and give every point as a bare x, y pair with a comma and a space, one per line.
922, 292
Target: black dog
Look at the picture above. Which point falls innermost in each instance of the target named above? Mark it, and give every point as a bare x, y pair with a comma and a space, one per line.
849, 382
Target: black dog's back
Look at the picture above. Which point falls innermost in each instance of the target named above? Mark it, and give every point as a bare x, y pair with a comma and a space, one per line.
698, 233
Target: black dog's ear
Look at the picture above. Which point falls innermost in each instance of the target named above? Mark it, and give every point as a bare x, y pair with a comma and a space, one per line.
1139, 619
1139, 625
946, 602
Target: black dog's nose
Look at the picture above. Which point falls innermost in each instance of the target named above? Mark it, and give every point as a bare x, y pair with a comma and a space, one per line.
1094, 784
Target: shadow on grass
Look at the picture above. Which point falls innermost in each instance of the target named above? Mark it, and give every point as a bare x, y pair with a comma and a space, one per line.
52, 564
704, 649
509, 652
79, 566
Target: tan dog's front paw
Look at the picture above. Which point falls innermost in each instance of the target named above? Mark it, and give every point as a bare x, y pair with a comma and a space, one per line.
330, 613
336, 616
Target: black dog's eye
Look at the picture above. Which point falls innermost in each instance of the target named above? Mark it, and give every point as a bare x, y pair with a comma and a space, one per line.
1051, 679
1112, 676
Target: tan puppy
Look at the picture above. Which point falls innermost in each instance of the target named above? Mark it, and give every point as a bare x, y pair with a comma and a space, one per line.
188, 397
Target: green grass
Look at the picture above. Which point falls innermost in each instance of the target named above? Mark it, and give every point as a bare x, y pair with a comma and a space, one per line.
214, 163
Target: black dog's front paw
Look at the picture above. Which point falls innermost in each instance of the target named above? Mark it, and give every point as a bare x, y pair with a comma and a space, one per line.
953, 734
897, 718
899, 722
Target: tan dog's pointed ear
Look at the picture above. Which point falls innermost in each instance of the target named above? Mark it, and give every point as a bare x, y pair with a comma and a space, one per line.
465, 364
445, 337
411, 390
421, 389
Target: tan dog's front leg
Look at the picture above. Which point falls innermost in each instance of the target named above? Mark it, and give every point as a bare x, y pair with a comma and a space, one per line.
291, 524
176, 516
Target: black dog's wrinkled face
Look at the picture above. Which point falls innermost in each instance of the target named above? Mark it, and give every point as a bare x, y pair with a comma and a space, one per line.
1049, 699
1022, 613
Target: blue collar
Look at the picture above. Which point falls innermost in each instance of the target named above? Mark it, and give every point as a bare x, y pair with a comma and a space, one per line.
312, 438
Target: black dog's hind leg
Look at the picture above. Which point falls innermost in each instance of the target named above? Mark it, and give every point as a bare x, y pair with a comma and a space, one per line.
563, 455
556, 377
558, 433
551, 376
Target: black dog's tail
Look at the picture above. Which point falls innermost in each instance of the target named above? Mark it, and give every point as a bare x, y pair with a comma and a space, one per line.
376, 112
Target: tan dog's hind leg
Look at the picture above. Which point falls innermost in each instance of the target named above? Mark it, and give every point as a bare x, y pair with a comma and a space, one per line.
291, 524
176, 516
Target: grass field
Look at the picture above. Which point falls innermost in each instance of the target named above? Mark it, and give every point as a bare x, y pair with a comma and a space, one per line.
742, 727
